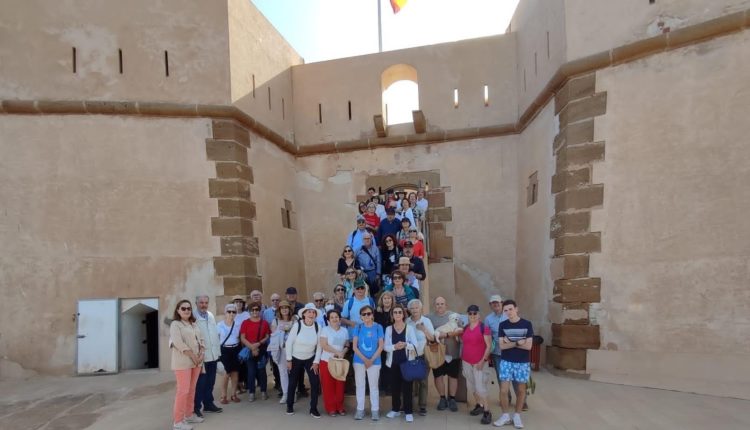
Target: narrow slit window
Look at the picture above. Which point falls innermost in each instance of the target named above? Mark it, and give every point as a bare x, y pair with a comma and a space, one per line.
253, 86
455, 98
548, 45
532, 189
119, 56
320, 113
535, 65
166, 63
269, 98
350, 110
75, 60
283, 109
486, 95
524, 79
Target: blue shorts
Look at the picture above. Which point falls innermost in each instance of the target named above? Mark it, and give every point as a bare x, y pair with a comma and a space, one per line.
516, 372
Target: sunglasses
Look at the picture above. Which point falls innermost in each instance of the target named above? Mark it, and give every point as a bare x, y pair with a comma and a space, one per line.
360, 288
231, 312
351, 273
366, 314
319, 300
339, 290
275, 300
348, 250
182, 308
473, 313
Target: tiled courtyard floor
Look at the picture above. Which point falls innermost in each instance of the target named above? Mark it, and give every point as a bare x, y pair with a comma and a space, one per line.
143, 401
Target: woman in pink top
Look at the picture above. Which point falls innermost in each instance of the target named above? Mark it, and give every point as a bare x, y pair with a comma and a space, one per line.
477, 340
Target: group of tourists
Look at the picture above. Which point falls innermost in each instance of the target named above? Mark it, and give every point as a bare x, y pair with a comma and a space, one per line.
370, 333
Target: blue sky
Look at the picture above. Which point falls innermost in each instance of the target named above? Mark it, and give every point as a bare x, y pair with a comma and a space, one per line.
325, 29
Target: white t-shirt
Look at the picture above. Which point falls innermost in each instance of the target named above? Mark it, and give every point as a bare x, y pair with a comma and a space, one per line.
223, 329
335, 338
421, 338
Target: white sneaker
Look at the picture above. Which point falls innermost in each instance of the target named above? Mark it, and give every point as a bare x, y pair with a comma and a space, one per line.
182, 425
503, 420
409, 418
517, 423
194, 419
393, 414
283, 400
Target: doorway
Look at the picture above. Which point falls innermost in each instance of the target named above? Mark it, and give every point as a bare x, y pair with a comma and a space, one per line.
139, 334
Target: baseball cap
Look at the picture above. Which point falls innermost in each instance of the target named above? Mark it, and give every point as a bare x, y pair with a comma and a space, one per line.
472, 308
496, 298
291, 290
235, 298
390, 210
408, 244
404, 260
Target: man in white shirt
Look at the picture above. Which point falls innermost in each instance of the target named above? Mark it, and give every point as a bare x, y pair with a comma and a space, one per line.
204, 398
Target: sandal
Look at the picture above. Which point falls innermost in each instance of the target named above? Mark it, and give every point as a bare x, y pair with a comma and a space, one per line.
223, 400
235, 399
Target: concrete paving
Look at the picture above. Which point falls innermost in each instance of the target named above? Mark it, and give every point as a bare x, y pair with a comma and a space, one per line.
143, 401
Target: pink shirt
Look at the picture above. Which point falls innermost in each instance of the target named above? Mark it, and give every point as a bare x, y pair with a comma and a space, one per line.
474, 346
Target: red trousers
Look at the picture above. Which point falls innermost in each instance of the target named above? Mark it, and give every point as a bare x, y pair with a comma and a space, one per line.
333, 390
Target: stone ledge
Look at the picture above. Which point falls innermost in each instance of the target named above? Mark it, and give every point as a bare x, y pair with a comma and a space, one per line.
575, 89
230, 130
579, 198
228, 188
439, 214
578, 244
239, 245
234, 170
585, 290
575, 336
574, 134
226, 150
236, 208
569, 179
231, 227
570, 223
236, 266
581, 109
706, 30
575, 157
566, 359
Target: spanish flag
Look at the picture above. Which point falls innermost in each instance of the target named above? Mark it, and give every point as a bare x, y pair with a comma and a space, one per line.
397, 5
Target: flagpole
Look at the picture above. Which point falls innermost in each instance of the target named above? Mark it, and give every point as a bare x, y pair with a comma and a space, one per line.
380, 30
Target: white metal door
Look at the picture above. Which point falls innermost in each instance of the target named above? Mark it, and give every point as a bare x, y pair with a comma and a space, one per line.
97, 336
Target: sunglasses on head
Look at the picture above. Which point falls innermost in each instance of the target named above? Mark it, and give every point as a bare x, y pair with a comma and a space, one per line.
182, 308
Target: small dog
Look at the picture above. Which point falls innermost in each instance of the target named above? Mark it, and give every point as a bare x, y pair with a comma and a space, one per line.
453, 324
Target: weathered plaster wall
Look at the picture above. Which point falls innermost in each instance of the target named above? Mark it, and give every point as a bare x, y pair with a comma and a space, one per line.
597, 26
38, 37
482, 177
467, 65
675, 245
261, 61
98, 207
281, 261
534, 247
539, 26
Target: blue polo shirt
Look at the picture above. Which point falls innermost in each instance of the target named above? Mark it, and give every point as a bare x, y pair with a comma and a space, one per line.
493, 321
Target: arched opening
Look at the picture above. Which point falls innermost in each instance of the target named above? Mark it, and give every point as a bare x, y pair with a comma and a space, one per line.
400, 93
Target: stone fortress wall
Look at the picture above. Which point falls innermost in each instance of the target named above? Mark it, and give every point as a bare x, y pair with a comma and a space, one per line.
625, 118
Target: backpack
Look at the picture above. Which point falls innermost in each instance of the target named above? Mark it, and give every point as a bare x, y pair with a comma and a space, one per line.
350, 303
299, 326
